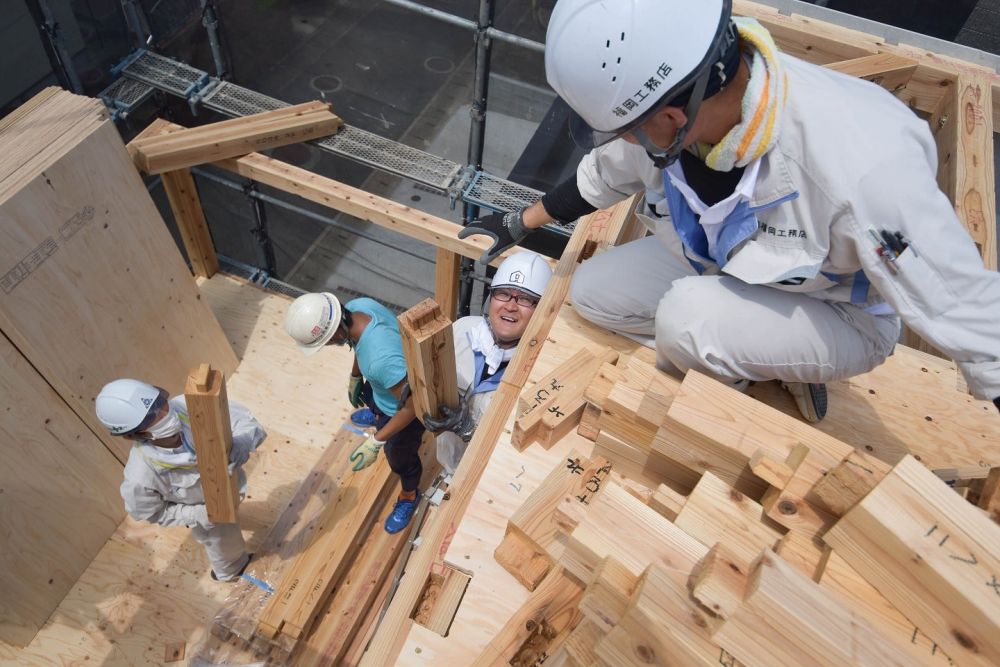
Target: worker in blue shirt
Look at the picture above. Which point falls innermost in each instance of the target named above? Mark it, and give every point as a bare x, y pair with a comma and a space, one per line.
377, 381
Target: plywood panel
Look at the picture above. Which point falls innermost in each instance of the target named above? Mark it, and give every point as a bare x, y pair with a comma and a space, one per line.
59, 498
93, 286
149, 587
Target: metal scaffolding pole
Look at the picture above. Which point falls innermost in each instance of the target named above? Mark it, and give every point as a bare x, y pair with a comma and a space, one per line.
52, 41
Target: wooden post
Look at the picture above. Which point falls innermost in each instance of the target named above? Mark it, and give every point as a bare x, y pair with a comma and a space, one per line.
183, 197
208, 410
446, 275
429, 346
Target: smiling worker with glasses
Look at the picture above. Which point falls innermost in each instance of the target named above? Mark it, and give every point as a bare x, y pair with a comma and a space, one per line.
483, 347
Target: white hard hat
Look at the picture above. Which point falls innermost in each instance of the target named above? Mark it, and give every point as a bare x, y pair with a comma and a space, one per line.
312, 319
526, 271
617, 63
124, 404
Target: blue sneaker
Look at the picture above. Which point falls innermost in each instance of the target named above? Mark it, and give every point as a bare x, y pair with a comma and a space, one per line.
401, 515
363, 418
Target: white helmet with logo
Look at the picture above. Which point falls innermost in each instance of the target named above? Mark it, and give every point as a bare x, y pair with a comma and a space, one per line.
312, 319
617, 63
526, 271
124, 404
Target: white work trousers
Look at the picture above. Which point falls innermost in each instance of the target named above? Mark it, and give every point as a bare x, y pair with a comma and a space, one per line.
225, 547
724, 327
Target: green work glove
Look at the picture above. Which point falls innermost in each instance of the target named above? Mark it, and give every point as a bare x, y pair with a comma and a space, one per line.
354, 390
365, 454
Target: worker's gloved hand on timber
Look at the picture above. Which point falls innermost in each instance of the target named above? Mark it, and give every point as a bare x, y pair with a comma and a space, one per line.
240, 452
506, 229
365, 454
354, 386
457, 420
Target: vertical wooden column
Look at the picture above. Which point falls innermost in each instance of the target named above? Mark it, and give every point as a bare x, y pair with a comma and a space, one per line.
183, 197
446, 282
974, 197
208, 409
429, 346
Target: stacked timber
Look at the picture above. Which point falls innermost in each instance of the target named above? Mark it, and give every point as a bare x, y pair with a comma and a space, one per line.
707, 529
307, 594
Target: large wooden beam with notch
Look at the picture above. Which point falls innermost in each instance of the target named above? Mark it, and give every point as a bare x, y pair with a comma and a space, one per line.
229, 138
208, 410
429, 347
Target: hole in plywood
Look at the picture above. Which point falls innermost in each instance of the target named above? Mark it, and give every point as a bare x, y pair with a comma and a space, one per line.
440, 600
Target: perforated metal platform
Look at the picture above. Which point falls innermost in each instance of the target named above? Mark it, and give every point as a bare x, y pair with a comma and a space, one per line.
485, 190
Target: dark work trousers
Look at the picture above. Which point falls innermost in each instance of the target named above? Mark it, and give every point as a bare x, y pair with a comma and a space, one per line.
402, 450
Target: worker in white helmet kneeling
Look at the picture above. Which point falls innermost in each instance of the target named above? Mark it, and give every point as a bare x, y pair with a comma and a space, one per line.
162, 484
483, 346
796, 213
377, 380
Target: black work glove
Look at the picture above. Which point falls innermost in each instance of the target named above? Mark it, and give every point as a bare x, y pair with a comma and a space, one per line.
996, 402
457, 420
507, 229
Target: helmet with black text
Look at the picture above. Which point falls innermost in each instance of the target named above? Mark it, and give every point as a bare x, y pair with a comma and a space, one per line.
617, 63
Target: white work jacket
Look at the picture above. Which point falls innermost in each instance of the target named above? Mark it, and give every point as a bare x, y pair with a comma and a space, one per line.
850, 160
450, 446
163, 486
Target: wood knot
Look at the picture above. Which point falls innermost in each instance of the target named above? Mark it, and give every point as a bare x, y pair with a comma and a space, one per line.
787, 507
964, 640
645, 654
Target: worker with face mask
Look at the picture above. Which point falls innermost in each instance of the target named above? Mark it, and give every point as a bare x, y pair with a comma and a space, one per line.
162, 484
483, 346
377, 381
796, 211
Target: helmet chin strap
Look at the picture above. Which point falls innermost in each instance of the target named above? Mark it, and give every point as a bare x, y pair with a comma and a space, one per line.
664, 157
496, 339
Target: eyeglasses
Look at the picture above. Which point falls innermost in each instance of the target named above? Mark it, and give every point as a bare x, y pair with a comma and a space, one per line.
522, 300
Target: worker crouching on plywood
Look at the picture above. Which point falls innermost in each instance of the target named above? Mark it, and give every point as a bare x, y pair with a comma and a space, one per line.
377, 381
483, 346
162, 483
796, 210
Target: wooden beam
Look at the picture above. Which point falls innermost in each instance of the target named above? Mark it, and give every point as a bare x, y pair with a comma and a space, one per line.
429, 347
342, 617
446, 277
850, 481
208, 409
190, 218
787, 619
383, 212
293, 606
931, 554
989, 497
530, 546
854, 593
713, 427
663, 625
890, 71
392, 632
538, 626
719, 580
552, 406
230, 138
716, 512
